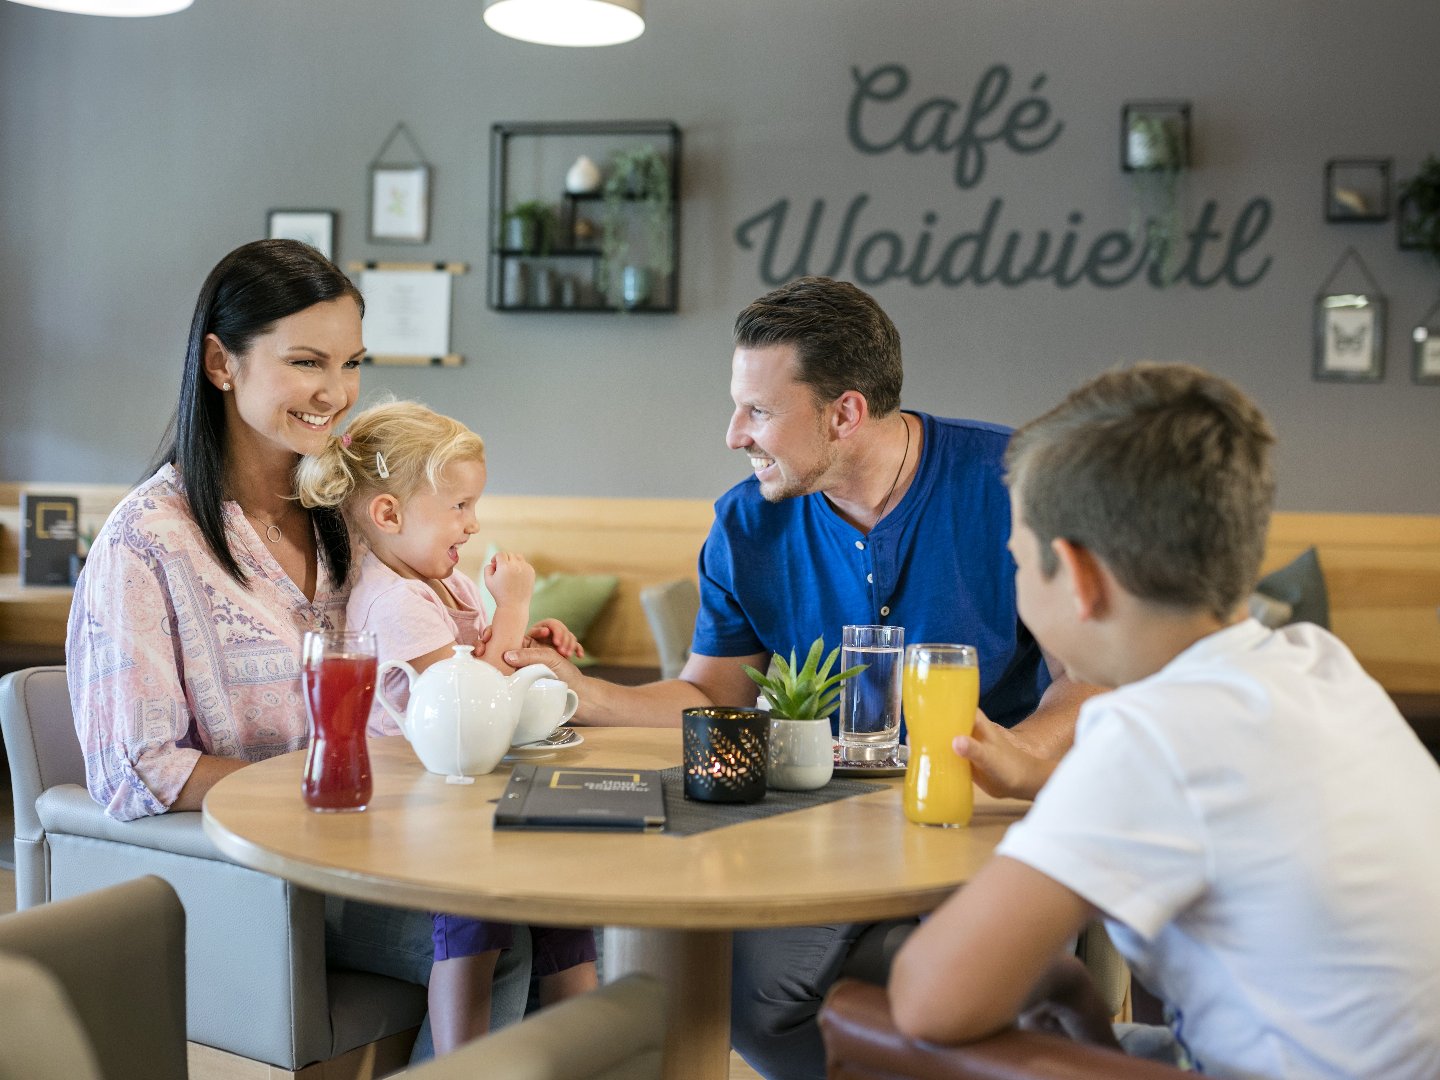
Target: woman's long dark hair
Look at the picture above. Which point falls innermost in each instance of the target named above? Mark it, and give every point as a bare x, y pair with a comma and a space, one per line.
250, 290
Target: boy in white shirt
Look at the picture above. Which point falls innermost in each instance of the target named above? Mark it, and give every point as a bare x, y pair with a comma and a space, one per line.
1246, 809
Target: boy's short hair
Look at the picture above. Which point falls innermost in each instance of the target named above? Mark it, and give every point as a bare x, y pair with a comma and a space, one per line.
1163, 471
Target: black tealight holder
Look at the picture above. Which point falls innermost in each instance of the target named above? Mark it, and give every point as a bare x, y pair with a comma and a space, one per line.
725, 754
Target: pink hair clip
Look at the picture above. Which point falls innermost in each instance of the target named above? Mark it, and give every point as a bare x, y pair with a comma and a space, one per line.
345, 440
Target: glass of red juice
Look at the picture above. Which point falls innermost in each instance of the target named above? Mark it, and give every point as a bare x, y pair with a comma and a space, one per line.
337, 670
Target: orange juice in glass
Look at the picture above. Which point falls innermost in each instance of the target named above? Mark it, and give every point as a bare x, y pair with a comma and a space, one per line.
940, 690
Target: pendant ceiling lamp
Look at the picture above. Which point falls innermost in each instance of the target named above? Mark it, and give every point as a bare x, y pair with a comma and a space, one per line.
567, 22
127, 8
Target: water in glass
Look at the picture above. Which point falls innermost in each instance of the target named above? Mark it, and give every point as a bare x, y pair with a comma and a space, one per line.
870, 701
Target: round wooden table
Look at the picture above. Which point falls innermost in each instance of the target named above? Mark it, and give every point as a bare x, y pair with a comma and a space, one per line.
671, 902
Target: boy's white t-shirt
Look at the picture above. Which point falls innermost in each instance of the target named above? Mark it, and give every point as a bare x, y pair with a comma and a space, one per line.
1259, 826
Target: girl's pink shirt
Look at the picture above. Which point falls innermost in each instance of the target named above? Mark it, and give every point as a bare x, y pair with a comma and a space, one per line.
408, 621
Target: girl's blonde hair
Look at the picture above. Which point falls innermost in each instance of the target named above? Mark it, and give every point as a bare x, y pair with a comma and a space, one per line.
387, 449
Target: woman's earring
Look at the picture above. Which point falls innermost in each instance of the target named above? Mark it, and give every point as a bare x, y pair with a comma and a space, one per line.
225, 386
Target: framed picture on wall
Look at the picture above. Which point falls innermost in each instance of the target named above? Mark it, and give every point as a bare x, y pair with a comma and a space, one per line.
1357, 189
400, 203
1426, 357
313, 227
1349, 337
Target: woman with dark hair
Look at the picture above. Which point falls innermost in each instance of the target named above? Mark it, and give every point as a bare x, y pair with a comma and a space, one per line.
184, 640
184, 637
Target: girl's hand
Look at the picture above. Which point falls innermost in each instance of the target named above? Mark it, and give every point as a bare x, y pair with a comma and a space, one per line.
557, 635
510, 579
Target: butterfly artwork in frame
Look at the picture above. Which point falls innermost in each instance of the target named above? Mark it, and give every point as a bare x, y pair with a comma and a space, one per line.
1349, 337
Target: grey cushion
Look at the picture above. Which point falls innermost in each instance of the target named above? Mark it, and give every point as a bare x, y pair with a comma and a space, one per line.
1268, 611
40, 1036
1301, 585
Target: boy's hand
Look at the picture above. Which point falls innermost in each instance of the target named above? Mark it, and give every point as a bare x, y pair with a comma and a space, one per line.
510, 579
1001, 766
1067, 1002
557, 635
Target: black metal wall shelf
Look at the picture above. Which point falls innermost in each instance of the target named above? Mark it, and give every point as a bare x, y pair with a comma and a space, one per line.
629, 261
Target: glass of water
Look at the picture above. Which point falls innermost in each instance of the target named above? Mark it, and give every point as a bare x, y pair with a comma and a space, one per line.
870, 701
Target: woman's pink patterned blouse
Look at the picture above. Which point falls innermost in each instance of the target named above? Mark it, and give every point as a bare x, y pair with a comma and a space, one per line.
168, 657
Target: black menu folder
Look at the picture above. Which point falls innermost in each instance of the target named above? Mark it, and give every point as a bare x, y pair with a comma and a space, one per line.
557, 797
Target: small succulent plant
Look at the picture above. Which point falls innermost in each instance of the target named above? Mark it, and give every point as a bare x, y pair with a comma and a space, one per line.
803, 692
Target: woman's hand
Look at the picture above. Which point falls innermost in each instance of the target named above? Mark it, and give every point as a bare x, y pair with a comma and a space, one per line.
557, 635
510, 579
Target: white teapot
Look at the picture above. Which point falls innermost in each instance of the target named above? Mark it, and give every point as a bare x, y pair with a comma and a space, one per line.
462, 712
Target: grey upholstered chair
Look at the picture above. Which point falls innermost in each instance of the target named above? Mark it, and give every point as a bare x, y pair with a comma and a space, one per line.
72, 1007
95, 987
671, 608
258, 985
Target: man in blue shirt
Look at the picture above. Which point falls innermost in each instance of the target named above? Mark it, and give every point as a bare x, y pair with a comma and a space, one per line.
857, 512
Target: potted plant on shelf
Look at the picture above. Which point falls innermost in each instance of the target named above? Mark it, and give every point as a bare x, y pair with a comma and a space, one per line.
638, 178
801, 697
1419, 216
1156, 157
530, 227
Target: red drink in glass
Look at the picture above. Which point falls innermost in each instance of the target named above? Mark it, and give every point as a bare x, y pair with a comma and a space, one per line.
338, 673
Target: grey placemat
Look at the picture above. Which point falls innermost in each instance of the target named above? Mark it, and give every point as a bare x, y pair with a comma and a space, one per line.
686, 817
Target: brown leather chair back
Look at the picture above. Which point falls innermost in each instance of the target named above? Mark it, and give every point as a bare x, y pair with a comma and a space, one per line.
862, 1043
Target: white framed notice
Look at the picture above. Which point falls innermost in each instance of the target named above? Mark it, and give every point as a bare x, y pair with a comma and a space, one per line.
407, 313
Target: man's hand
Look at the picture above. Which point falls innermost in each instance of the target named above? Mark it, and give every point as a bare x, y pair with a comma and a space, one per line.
557, 635
1002, 768
509, 579
562, 668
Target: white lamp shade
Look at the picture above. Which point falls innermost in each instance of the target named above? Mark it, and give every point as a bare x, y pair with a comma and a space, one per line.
567, 22
127, 8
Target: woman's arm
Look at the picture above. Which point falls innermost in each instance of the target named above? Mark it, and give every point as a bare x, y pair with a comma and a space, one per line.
126, 689
209, 770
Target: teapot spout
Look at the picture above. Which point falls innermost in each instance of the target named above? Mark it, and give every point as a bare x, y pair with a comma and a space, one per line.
522, 680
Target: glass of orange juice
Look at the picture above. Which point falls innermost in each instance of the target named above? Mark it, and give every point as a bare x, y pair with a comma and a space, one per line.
940, 691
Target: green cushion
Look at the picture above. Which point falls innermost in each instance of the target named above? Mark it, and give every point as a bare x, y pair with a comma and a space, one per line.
1301, 585
574, 599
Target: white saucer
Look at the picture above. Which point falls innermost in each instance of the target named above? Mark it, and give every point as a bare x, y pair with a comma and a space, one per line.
565, 738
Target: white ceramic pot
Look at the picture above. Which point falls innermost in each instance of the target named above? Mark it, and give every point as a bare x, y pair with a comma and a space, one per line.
802, 754
583, 177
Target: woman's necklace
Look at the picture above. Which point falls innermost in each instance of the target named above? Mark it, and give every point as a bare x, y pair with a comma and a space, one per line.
272, 531
903, 458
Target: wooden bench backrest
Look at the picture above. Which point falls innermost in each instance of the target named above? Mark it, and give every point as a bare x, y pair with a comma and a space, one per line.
1382, 570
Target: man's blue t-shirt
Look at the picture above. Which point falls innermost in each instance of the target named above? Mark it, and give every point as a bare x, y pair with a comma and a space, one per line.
775, 576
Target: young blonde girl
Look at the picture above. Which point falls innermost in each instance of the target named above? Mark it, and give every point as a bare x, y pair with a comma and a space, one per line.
407, 480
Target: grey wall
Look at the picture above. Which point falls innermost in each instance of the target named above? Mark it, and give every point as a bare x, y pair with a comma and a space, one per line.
133, 154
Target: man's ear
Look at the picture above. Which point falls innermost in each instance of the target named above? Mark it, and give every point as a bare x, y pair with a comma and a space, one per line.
1089, 582
219, 364
847, 413
384, 513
